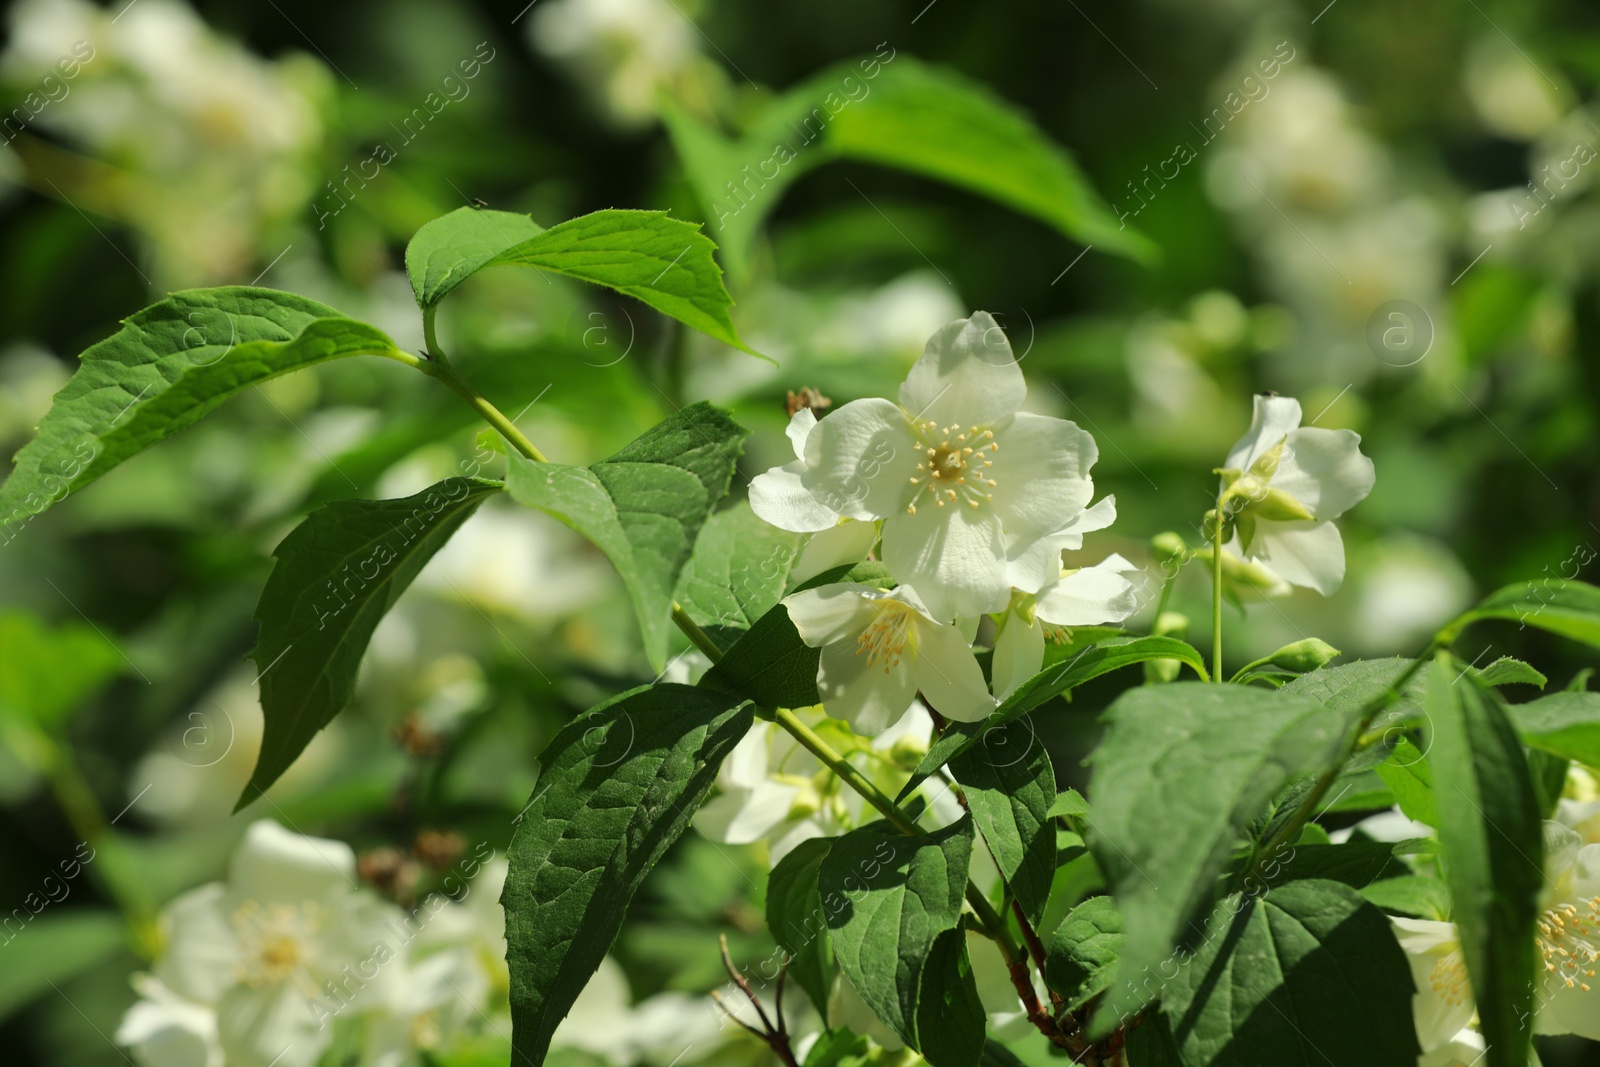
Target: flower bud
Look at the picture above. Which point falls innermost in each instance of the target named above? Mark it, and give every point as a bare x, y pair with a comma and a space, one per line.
1167, 546
1303, 656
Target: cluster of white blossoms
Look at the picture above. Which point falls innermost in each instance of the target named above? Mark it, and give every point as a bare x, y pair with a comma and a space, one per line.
1567, 939
204, 147
973, 501
291, 954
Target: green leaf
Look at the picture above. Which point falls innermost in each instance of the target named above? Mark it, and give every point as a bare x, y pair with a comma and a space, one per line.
644, 507
1305, 976
1058, 678
51, 948
658, 260
798, 923
1010, 803
906, 114
45, 673
898, 938
452, 248
1347, 688
1407, 775
737, 572
337, 574
1183, 769
1509, 671
1082, 961
1493, 843
1355, 863
1411, 894
1070, 802
1562, 724
1570, 609
839, 1048
770, 664
168, 366
617, 787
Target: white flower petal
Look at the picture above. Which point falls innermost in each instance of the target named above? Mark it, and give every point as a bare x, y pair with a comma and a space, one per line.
831, 612
859, 460
1018, 655
1041, 475
800, 426
1465, 1049
273, 1025
168, 1031
1098, 517
1091, 596
869, 698
847, 542
1325, 471
743, 816
1433, 949
952, 556
1273, 420
202, 955
780, 497
967, 376
272, 864
948, 674
1301, 552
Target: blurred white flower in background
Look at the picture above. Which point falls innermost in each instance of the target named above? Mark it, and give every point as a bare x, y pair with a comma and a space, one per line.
622, 51
29, 378
1405, 588
1513, 98
290, 954
510, 560
1317, 198
657, 1031
202, 146
285, 946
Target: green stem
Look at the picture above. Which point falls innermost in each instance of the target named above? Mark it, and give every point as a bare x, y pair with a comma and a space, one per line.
692, 631
1216, 596
438, 365
112, 865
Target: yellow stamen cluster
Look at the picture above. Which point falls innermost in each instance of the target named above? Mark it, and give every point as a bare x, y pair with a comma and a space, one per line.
1449, 979
885, 640
274, 940
1566, 941
955, 464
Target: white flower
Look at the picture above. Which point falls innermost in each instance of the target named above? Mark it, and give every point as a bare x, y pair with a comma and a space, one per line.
879, 648
1568, 936
1285, 486
658, 1030
1088, 596
1442, 1005
976, 495
165, 1030
282, 950
771, 788
623, 50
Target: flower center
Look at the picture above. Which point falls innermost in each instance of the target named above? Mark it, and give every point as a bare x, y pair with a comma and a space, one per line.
954, 466
1566, 941
275, 940
885, 640
1449, 979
